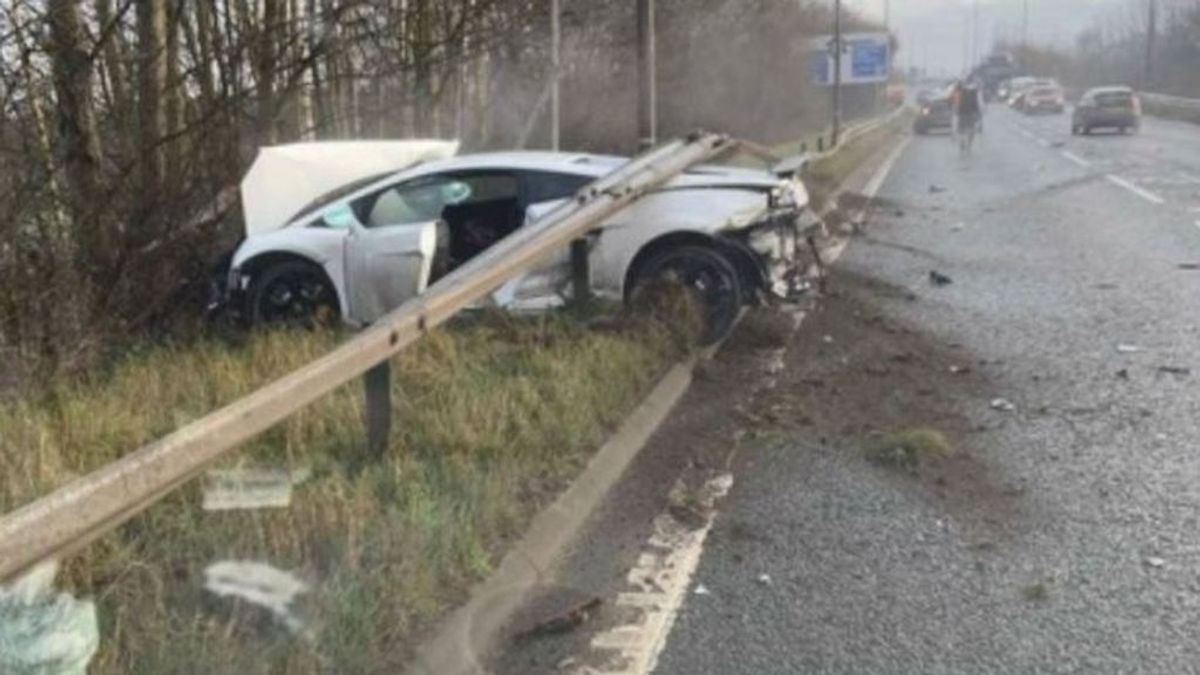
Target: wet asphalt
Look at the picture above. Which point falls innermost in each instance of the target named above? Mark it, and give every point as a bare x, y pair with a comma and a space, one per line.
1069, 286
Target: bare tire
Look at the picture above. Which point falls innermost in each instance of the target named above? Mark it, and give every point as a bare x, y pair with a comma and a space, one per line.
708, 275
292, 293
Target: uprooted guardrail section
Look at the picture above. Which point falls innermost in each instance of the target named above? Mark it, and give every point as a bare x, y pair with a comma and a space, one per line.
81, 511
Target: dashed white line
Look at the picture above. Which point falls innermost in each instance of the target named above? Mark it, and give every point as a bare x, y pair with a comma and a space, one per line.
1143, 193
1070, 156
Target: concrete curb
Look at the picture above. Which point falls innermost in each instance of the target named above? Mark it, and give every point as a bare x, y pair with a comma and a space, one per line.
471, 631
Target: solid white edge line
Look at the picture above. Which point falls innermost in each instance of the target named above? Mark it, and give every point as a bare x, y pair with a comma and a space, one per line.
1070, 156
1143, 193
876, 182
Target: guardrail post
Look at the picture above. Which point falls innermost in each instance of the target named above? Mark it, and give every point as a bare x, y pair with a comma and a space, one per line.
581, 273
378, 384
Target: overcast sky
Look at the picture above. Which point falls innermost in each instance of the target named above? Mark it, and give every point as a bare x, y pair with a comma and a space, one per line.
938, 32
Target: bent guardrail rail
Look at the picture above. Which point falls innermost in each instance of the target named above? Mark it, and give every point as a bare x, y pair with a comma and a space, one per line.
88, 507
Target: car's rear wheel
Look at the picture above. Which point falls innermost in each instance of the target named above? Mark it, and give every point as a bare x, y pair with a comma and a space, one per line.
292, 293
707, 274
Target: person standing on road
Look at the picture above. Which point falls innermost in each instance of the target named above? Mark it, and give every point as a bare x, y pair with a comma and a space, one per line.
967, 102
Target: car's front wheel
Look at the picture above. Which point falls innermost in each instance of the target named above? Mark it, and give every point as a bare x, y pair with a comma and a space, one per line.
707, 274
292, 293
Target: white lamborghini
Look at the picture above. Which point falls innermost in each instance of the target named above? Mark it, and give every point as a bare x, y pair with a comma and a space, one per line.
353, 229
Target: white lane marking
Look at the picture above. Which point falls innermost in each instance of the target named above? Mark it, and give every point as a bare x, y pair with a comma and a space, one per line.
661, 577
1144, 194
881, 174
1075, 158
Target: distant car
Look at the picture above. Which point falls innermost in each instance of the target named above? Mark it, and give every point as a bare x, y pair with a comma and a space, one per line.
1107, 107
1016, 87
935, 113
1022, 86
351, 230
1044, 99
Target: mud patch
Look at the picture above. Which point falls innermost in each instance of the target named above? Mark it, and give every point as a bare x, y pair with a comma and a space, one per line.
857, 374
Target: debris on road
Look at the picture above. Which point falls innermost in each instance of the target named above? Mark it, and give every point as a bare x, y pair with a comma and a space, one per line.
563, 623
1189, 266
959, 370
1128, 349
938, 279
1123, 374
1155, 562
935, 189
957, 227
1003, 405
1175, 370
701, 589
1058, 144
764, 579
1036, 592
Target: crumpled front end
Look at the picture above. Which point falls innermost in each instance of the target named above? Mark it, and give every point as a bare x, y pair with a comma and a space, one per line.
777, 239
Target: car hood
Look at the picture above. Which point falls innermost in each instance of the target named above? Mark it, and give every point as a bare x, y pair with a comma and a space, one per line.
725, 177
285, 178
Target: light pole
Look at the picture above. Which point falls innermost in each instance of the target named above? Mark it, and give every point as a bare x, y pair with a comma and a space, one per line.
837, 71
556, 73
1024, 30
1151, 39
647, 94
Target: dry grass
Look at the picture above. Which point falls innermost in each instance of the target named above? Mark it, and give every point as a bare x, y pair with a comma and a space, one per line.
492, 418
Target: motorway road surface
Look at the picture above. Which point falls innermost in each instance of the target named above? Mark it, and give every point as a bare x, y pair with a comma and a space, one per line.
1064, 536
1068, 291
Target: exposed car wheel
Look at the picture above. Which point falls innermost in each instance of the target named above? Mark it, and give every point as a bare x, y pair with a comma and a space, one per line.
292, 293
706, 273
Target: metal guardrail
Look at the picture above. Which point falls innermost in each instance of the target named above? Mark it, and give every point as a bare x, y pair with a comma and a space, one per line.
88, 507
1189, 104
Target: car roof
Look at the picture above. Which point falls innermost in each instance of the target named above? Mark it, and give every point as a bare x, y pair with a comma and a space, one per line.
1110, 90
529, 160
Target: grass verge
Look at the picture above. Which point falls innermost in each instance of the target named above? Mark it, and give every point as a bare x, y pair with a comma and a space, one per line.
492, 418
824, 176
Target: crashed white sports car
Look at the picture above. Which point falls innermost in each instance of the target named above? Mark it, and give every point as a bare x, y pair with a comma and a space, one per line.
353, 229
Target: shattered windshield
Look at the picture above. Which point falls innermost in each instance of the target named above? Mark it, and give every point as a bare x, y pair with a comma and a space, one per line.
784, 336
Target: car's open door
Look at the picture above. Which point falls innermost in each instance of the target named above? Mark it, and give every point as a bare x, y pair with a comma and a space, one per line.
386, 266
